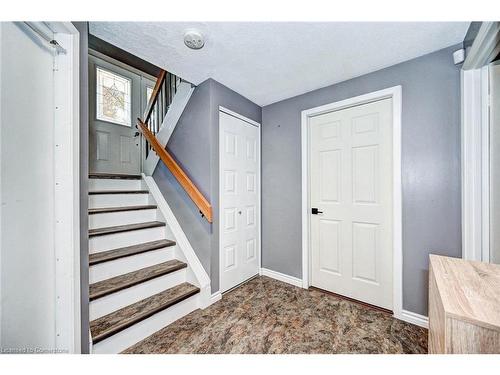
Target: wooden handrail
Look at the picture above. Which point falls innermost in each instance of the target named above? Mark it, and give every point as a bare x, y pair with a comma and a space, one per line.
154, 95
156, 109
197, 197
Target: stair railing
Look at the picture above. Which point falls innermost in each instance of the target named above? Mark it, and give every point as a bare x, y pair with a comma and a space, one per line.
149, 126
159, 102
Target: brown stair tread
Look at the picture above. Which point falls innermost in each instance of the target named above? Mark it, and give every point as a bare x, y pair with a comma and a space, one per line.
113, 176
99, 192
122, 252
105, 210
119, 320
125, 228
117, 283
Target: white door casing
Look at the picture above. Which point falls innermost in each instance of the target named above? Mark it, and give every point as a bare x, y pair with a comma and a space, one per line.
239, 193
475, 138
395, 180
350, 172
492, 249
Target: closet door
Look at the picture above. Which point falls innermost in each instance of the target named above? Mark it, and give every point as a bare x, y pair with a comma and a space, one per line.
239, 200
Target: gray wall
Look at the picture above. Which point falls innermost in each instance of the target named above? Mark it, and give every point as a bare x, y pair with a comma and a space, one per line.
82, 28
190, 146
430, 168
194, 145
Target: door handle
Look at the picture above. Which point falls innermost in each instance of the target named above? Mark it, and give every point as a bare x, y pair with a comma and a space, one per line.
316, 211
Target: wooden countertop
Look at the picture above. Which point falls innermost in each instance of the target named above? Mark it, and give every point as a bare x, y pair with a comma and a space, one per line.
469, 291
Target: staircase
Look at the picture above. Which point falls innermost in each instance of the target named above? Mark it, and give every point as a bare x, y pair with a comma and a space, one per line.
140, 281
143, 272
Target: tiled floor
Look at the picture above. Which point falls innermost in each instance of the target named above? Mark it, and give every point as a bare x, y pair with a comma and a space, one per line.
268, 316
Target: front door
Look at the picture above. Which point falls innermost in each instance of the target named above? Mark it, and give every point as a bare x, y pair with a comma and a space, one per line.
239, 200
117, 98
351, 188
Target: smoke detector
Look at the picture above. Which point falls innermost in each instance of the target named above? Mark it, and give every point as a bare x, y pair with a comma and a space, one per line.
194, 39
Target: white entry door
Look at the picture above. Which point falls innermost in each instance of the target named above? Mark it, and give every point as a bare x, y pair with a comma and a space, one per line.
351, 188
118, 96
239, 148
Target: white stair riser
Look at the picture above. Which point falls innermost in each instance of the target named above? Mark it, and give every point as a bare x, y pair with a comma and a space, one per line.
113, 184
115, 301
139, 331
107, 270
117, 200
117, 240
110, 219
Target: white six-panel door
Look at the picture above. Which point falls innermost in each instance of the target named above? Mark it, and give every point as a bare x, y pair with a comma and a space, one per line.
351, 185
239, 149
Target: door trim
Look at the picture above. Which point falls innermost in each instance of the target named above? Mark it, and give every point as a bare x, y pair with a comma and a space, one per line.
237, 115
484, 48
259, 185
396, 94
475, 160
67, 189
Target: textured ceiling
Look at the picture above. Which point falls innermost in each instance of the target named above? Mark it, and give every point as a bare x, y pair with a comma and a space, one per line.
267, 62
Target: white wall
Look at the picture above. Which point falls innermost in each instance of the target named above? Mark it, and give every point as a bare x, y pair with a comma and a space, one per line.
27, 241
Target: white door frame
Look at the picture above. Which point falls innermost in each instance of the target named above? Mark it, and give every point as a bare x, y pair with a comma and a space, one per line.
396, 94
67, 187
475, 143
475, 164
259, 184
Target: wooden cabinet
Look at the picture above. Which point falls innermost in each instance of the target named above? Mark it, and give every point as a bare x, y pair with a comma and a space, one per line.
464, 306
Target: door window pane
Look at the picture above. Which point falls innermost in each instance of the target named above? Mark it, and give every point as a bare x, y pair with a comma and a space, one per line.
113, 97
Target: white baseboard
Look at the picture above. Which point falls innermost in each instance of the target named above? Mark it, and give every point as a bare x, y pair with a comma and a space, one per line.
281, 277
413, 318
207, 299
215, 297
405, 315
183, 244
